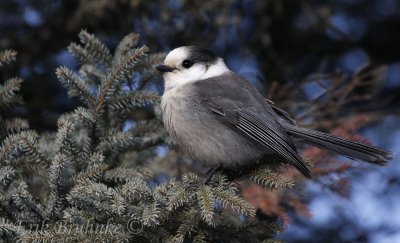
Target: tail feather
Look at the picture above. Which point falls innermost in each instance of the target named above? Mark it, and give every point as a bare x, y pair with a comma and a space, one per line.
353, 150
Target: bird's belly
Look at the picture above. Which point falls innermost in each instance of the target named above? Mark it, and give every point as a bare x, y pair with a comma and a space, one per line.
201, 135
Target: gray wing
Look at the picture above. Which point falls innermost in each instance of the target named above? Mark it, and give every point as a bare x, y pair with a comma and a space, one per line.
236, 103
283, 114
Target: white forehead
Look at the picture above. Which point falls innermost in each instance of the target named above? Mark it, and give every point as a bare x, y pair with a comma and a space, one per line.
176, 56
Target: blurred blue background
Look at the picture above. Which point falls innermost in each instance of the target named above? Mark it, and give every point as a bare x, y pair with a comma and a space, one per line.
269, 41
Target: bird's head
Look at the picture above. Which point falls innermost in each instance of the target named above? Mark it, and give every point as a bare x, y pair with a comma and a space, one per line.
190, 63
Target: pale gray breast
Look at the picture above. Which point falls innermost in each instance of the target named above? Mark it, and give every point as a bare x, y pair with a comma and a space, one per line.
200, 134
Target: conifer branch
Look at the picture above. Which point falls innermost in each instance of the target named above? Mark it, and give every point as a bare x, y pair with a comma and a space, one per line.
93, 51
7, 92
73, 215
7, 174
116, 76
125, 45
57, 181
122, 174
76, 86
93, 196
95, 47
187, 227
29, 147
129, 102
270, 179
149, 62
121, 141
23, 143
15, 125
11, 230
65, 142
151, 214
7, 56
23, 199
94, 170
136, 190
180, 196
206, 201
225, 192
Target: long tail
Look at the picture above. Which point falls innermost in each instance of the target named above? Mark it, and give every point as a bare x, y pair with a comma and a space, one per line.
353, 150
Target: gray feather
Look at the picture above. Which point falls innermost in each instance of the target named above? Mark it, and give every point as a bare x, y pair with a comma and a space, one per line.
353, 150
248, 113
261, 131
225, 120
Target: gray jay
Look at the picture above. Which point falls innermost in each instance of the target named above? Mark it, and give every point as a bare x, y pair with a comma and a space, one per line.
218, 117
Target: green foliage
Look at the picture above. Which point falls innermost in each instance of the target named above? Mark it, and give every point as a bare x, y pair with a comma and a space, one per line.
270, 179
92, 179
9, 99
7, 56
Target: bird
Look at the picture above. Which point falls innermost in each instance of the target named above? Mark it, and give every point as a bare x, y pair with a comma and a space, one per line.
219, 118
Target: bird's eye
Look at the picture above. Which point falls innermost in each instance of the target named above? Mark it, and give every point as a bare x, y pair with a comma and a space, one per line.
187, 63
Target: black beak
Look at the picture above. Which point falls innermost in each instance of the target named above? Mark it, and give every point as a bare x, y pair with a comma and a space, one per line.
165, 68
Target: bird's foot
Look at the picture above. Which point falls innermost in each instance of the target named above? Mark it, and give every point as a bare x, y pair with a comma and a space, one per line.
207, 177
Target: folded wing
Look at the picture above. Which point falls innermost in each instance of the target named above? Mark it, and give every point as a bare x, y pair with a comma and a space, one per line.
261, 129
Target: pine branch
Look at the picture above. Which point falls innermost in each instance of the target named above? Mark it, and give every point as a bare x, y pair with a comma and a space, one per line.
57, 181
85, 138
200, 238
46, 145
92, 75
136, 191
116, 76
95, 197
180, 196
76, 86
206, 201
23, 143
80, 53
7, 56
161, 192
118, 205
73, 215
84, 115
122, 141
93, 51
187, 227
151, 214
7, 175
15, 125
270, 179
122, 174
8, 96
226, 193
149, 62
94, 170
95, 47
125, 45
9, 229
28, 145
24, 200
66, 143
129, 102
